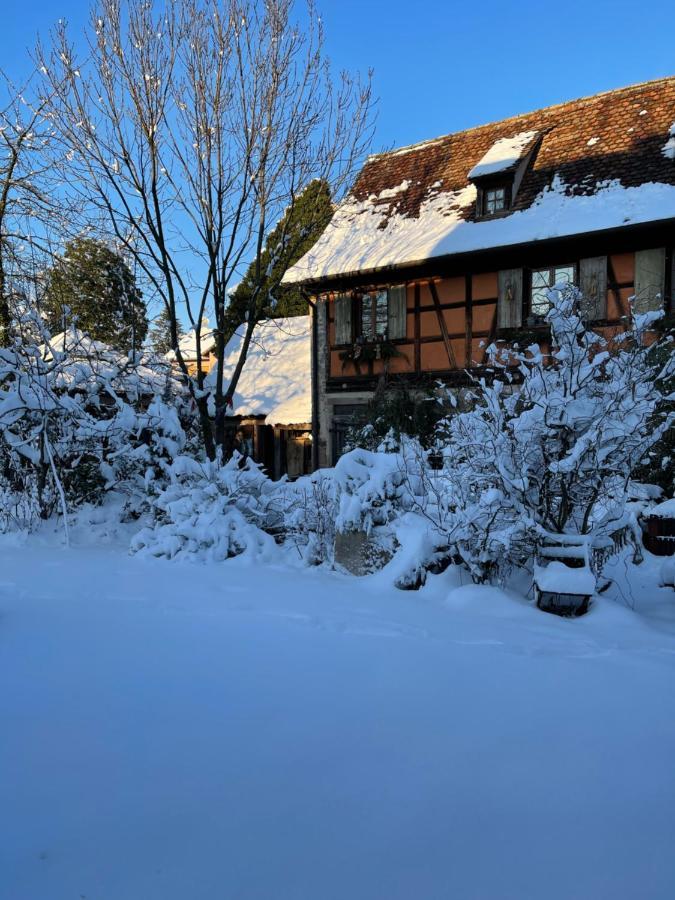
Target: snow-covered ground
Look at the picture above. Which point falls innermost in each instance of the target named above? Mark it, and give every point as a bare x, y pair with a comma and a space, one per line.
184, 732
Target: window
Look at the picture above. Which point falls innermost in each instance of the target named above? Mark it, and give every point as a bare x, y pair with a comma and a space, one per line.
494, 201
542, 282
345, 417
374, 315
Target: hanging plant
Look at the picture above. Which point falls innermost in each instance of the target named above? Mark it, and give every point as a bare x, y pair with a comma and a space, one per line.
362, 352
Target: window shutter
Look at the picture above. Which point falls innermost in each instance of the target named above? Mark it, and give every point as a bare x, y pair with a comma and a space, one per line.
343, 319
650, 271
593, 286
510, 302
397, 312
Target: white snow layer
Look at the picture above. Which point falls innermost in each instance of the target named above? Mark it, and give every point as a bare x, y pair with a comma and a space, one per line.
188, 343
355, 241
559, 578
503, 154
668, 149
174, 732
84, 357
276, 379
665, 509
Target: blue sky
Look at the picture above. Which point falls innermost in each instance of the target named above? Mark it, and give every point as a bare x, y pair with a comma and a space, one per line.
443, 66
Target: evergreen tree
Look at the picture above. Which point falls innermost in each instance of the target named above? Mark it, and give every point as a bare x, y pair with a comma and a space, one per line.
94, 286
160, 333
291, 238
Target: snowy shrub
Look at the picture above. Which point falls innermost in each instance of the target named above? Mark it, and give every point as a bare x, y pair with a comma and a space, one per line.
370, 488
309, 513
552, 441
77, 419
211, 512
396, 411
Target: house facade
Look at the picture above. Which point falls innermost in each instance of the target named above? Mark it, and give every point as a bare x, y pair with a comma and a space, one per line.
270, 416
447, 246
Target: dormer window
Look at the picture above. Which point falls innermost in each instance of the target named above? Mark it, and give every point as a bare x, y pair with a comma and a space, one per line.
494, 200
497, 175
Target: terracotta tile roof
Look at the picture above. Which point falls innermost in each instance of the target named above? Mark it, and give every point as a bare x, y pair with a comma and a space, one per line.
598, 163
615, 135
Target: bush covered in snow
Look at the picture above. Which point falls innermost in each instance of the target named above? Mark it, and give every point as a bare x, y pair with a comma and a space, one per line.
399, 410
211, 512
77, 419
551, 442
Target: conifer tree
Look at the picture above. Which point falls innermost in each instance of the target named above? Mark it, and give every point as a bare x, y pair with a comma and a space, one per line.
160, 333
291, 238
93, 286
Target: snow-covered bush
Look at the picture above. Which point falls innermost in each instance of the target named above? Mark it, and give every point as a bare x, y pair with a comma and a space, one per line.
211, 512
398, 411
552, 441
537, 460
77, 419
309, 508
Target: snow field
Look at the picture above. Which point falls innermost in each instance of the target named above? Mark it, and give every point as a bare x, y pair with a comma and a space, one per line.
174, 730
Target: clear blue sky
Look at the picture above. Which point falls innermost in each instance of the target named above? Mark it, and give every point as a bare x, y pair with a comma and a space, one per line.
442, 66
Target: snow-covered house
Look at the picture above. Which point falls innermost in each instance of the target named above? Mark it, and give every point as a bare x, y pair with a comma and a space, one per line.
188, 348
271, 413
84, 361
445, 246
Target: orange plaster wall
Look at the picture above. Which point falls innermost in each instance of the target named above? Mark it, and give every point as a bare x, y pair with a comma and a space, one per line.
434, 356
406, 363
410, 325
450, 290
483, 317
397, 364
429, 324
478, 352
410, 297
613, 310
484, 287
624, 266
454, 320
336, 366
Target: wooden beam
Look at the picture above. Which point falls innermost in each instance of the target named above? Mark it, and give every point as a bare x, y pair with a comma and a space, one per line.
468, 319
490, 337
614, 287
418, 357
443, 326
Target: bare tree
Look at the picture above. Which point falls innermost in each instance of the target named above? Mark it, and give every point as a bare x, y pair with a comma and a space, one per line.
27, 195
193, 127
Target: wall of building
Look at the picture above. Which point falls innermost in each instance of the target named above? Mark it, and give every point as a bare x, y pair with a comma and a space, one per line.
450, 321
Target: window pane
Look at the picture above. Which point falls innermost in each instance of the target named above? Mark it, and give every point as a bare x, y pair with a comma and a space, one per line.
495, 200
564, 275
540, 303
541, 282
367, 317
381, 311
540, 278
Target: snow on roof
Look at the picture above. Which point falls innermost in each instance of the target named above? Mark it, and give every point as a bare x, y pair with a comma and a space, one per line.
188, 343
417, 204
363, 237
556, 577
665, 509
668, 149
504, 154
85, 358
75, 342
276, 379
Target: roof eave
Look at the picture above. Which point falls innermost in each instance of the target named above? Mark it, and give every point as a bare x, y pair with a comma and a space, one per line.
327, 281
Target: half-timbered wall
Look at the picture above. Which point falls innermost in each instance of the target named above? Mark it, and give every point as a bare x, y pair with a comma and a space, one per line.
450, 321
